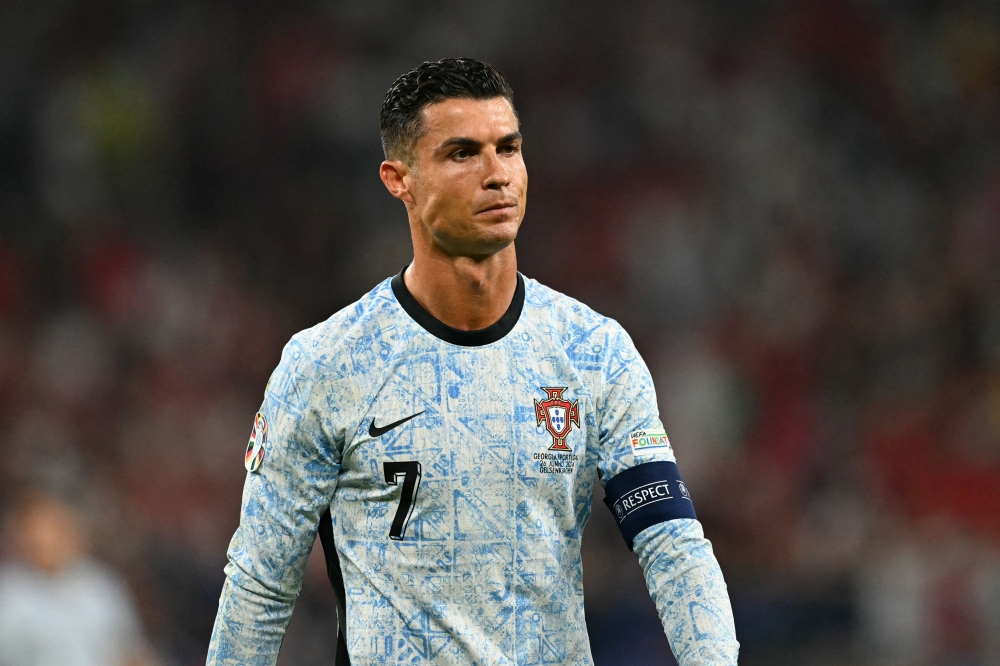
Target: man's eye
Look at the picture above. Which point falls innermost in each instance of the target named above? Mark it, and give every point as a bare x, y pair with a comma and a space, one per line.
460, 154
508, 149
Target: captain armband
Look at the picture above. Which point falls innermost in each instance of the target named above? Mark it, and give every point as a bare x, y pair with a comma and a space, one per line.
645, 495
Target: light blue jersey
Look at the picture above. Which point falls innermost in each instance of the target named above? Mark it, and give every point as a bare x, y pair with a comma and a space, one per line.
450, 475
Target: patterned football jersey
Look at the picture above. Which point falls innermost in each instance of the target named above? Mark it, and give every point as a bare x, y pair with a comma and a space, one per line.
449, 475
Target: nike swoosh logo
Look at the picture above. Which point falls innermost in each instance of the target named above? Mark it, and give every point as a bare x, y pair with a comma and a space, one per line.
375, 431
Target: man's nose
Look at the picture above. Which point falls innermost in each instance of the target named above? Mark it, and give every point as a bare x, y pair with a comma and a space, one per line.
496, 175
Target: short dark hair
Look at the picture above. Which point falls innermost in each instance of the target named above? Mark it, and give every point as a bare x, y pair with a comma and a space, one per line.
429, 83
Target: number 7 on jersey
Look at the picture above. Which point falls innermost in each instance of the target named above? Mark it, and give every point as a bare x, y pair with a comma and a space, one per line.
410, 471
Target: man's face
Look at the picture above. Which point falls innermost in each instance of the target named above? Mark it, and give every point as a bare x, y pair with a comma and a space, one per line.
467, 180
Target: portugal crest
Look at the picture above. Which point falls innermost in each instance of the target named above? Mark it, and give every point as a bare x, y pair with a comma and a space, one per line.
559, 415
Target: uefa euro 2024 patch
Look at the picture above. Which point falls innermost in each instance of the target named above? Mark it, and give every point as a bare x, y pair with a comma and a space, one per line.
255, 447
648, 442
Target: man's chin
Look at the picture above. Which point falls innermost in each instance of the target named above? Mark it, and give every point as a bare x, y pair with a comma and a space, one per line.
483, 245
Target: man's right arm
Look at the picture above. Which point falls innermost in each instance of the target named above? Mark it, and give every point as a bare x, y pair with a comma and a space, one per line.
282, 504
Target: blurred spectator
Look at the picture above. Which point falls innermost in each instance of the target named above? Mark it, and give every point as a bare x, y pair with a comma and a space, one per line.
58, 606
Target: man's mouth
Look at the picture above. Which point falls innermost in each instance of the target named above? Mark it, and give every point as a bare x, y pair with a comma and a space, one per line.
503, 205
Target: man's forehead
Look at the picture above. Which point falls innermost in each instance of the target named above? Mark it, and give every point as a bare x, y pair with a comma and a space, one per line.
482, 119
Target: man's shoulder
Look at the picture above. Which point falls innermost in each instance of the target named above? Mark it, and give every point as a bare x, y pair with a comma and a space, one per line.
567, 314
590, 339
356, 327
345, 347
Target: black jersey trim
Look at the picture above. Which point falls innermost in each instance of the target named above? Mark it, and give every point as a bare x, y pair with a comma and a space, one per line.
645, 495
455, 336
336, 577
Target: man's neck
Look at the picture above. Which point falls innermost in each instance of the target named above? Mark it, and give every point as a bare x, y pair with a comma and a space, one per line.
462, 292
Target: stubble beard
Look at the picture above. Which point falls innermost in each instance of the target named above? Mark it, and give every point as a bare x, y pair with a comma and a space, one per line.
476, 241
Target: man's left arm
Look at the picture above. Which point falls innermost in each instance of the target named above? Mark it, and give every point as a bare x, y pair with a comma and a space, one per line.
654, 512
686, 584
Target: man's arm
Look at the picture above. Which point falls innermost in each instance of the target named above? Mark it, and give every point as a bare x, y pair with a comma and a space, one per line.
686, 584
655, 514
283, 500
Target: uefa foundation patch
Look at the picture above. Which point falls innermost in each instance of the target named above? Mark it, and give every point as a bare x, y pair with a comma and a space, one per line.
255, 448
648, 442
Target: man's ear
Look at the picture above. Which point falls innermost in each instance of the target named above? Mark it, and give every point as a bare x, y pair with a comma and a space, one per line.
395, 176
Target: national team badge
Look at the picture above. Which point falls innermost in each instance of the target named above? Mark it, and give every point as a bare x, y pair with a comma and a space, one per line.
255, 447
559, 415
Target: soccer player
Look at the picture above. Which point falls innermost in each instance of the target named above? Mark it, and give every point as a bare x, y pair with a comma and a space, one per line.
443, 435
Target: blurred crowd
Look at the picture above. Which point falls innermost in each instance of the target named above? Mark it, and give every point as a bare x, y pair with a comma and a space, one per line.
793, 207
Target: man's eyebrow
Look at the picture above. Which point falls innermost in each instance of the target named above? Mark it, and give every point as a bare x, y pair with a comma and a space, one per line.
462, 142
465, 142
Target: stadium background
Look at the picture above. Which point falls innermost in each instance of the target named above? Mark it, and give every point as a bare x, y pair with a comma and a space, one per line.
794, 208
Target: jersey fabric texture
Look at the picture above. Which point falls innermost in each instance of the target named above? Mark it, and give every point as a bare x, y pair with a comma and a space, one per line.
450, 475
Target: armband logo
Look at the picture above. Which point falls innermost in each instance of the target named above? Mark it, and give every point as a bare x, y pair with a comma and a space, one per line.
648, 442
647, 494
255, 447
641, 497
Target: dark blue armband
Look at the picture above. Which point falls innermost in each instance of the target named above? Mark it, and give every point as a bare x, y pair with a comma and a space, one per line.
645, 495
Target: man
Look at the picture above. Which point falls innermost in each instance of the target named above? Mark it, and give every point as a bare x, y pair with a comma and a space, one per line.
58, 607
443, 434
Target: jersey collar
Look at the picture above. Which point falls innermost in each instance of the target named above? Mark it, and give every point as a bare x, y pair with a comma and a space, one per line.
455, 336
